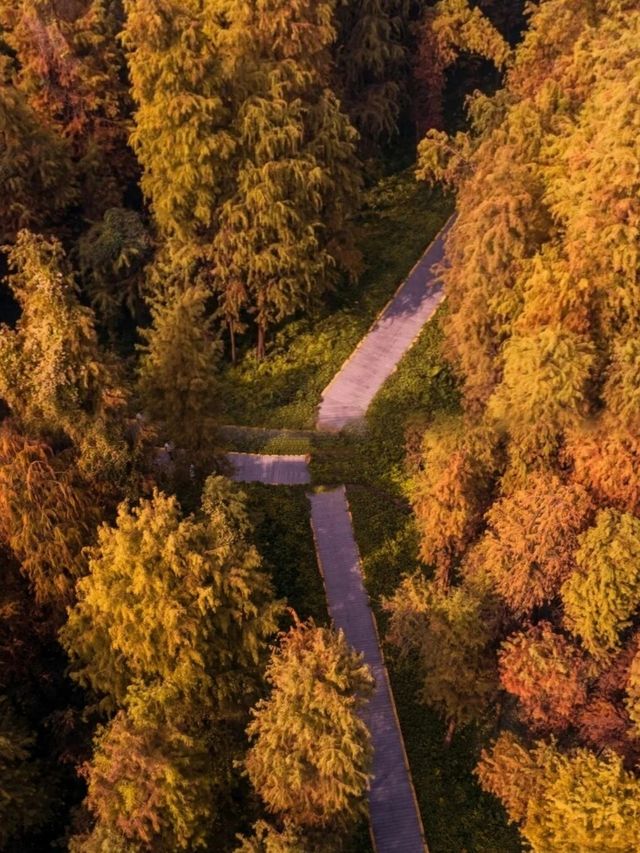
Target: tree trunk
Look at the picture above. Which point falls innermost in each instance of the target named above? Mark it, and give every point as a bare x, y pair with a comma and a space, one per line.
232, 338
451, 730
260, 341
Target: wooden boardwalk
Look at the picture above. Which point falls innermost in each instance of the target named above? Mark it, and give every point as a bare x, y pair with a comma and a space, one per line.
269, 469
346, 399
395, 819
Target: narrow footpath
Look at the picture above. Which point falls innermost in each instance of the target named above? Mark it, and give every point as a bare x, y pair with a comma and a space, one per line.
396, 825
348, 396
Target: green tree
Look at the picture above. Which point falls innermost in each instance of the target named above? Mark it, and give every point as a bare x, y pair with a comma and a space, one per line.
285, 231
601, 597
448, 634
310, 756
371, 65
112, 255
177, 374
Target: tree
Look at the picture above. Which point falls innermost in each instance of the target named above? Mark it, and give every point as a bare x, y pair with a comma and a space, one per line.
547, 673
449, 635
531, 540
112, 255
51, 374
446, 30
172, 602
36, 179
24, 805
181, 135
153, 780
602, 595
451, 490
371, 62
605, 456
310, 754
47, 516
267, 839
69, 67
177, 374
544, 382
564, 804
284, 232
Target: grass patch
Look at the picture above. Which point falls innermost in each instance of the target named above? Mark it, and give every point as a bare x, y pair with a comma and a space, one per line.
399, 220
283, 536
271, 441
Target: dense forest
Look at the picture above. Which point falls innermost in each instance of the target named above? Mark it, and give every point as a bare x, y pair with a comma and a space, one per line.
203, 206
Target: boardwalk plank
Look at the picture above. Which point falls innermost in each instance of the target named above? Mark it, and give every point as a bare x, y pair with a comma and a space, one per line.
395, 821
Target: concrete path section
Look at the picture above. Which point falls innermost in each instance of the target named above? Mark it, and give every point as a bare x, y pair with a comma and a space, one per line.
271, 470
395, 820
348, 396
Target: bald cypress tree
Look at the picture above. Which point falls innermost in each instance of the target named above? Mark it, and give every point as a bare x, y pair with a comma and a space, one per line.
310, 754
371, 65
69, 66
181, 134
284, 232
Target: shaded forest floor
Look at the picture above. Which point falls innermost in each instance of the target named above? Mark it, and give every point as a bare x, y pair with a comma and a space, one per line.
284, 392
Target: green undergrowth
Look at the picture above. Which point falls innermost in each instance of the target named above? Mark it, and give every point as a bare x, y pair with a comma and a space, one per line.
283, 536
285, 442
400, 218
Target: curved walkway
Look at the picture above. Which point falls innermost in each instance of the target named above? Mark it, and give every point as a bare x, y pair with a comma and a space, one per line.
348, 396
396, 825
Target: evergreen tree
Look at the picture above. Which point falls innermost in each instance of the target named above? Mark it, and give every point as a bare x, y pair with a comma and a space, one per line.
310, 756
450, 492
24, 803
565, 804
181, 135
449, 634
154, 780
371, 65
112, 255
47, 516
51, 375
36, 178
172, 602
602, 595
284, 232
177, 372
69, 67
267, 839
529, 547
